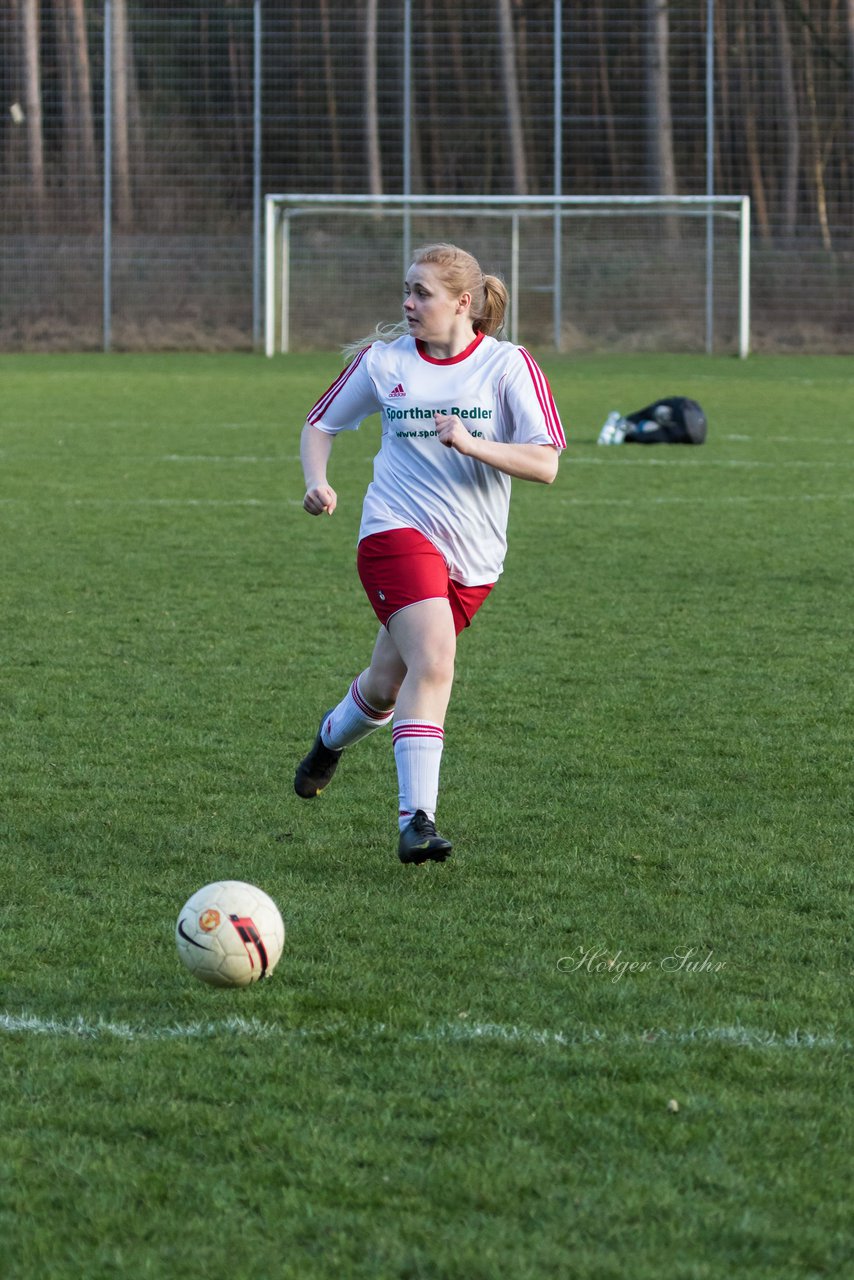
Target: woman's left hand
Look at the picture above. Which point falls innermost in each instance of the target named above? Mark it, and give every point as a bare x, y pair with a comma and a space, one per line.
452, 433
525, 461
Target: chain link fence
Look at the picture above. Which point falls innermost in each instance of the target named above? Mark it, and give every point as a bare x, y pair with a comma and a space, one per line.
137, 141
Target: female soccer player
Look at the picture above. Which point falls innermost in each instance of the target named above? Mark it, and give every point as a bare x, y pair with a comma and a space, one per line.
461, 413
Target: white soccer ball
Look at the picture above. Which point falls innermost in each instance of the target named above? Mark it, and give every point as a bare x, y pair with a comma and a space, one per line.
230, 934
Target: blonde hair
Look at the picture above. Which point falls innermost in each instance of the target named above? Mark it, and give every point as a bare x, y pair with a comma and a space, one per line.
460, 273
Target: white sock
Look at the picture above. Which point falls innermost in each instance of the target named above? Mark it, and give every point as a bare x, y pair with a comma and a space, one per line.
418, 755
352, 720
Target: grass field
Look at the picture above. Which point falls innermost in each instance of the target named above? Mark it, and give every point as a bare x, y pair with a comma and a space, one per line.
646, 768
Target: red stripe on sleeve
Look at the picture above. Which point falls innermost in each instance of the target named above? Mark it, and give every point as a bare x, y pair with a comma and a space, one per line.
318, 410
546, 399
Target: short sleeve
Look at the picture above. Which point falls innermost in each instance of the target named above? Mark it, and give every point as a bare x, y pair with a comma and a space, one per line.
351, 398
529, 404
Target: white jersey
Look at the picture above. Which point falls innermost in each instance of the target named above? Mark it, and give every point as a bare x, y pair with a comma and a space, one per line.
460, 504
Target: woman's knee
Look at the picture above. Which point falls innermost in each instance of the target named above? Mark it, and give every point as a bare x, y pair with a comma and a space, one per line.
381, 688
380, 683
434, 666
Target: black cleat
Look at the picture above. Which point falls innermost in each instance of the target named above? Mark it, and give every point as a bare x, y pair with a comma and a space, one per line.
421, 842
316, 770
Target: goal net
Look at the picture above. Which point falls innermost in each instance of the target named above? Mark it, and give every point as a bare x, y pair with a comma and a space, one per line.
585, 273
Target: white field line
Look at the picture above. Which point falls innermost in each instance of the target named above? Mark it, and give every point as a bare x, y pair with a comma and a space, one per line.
700, 464
461, 1032
634, 459
787, 439
696, 500
134, 424
145, 460
185, 502
223, 457
662, 500
700, 501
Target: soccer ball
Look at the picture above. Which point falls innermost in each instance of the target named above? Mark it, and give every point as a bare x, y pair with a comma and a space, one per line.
230, 934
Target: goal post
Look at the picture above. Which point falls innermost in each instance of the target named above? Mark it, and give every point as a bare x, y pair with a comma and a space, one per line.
633, 272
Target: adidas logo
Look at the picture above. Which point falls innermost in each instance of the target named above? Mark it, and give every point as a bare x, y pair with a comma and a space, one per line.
397, 392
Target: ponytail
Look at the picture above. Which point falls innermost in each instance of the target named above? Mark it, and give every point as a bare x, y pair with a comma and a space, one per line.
490, 318
382, 333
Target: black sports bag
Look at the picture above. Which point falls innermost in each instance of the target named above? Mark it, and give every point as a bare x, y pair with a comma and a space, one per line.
675, 420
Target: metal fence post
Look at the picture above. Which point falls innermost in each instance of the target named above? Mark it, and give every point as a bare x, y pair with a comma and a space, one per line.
557, 297
710, 176
514, 276
107, 216
407, 132
256, 178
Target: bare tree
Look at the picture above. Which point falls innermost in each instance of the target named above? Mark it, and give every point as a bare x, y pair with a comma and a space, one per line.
605, 89
30, 34
791, 127
430, 87
659, 117
754, 154
66, 74
11, 68
461, 96
512, 99
236, 76
83, 84
723, 149
77, 117
121, 130
372, 125
331, 97
850, 16
820, 141
205, 57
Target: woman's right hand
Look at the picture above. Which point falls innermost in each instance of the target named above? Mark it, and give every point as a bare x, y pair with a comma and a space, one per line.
319, 499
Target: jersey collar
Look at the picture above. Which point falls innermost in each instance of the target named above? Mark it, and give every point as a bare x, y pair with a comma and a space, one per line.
472, 347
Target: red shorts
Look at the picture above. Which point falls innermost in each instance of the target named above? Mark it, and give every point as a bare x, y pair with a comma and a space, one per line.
401, 567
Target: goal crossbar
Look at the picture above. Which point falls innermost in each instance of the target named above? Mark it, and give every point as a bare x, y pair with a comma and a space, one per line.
280, 209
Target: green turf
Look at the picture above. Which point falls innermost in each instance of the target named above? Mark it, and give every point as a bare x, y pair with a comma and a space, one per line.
646, 764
